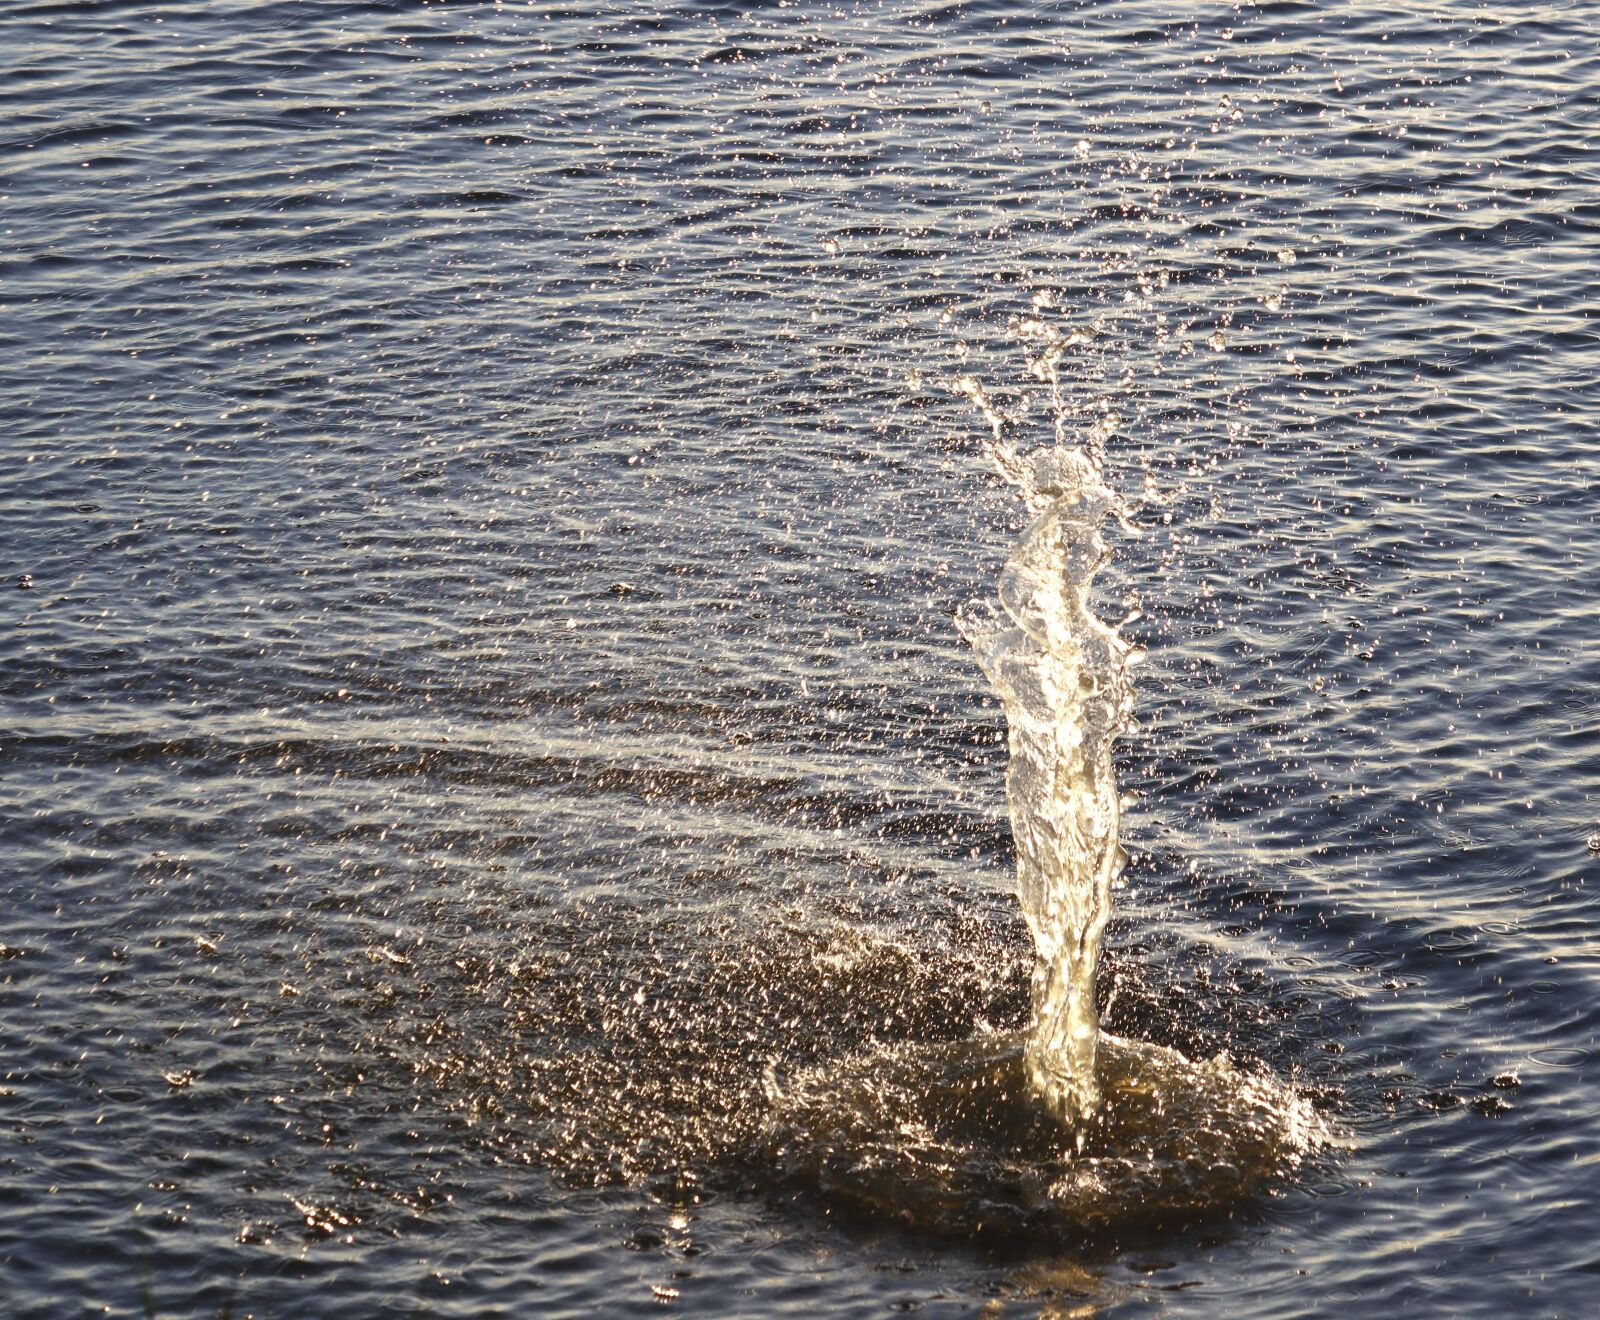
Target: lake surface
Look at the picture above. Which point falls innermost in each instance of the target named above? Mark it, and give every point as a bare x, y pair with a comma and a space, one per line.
484, 510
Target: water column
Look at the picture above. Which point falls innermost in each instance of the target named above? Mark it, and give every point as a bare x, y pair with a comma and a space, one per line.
1061, 673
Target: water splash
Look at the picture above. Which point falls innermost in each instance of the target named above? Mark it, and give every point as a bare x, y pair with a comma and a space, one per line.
1062, 674
1059, 1129
949, 1139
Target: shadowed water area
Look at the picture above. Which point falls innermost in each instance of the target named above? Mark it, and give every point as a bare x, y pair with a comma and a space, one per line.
497, 811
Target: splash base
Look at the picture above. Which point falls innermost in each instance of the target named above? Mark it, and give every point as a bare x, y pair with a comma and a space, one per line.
950, 1139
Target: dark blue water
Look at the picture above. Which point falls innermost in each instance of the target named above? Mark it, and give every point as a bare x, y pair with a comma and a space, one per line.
482, 516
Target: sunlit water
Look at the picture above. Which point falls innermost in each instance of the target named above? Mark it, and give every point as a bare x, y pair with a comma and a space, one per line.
495, 797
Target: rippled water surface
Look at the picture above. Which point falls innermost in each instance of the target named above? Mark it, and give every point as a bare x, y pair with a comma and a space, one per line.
484, 510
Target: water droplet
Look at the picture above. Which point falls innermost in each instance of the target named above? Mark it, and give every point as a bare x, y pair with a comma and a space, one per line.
1083, 149
25, 582
1594, 844
1274, 301
832, 246
986, 107
1215, 341
1286, 256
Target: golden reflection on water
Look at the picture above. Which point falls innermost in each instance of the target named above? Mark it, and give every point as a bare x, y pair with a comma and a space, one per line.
1066, 1290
